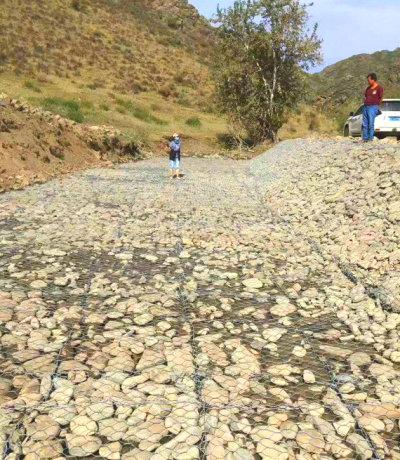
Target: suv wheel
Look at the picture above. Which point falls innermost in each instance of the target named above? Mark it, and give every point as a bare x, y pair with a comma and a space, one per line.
346, 131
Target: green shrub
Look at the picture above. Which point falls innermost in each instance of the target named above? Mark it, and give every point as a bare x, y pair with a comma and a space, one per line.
173, 23
124, 103
144, 115
183, 99
31, 85
87, 105
175, 41
193, 122
70, 109
105, 107
78, 5
313, 121
139, 112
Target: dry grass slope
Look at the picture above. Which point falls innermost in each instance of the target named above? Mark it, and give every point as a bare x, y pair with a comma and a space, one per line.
142, 66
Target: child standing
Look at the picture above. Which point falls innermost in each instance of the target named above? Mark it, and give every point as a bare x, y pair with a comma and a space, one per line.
175, 148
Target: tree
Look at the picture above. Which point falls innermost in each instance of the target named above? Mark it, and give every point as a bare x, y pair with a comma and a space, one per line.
263, 48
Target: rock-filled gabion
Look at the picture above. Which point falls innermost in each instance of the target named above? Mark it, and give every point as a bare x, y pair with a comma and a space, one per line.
143, 318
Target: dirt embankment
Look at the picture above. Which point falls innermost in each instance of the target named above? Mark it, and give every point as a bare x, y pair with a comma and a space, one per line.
36, 146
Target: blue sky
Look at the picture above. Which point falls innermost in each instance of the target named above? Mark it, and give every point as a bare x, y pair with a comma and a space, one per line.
348, 27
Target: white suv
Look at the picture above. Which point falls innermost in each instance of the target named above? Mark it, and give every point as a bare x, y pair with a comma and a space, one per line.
386, 124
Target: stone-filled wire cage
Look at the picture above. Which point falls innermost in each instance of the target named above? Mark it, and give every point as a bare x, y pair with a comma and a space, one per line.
146, 319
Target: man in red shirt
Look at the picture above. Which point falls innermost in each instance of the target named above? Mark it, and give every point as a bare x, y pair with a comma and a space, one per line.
373, 99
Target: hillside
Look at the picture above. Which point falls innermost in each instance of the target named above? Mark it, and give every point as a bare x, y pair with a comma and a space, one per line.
139, 65
340, 87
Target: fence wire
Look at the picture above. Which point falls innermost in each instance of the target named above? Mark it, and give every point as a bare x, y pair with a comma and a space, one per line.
146, 318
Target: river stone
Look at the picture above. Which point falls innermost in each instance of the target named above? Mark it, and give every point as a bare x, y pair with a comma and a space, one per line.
150, 358
360, 359
83, 426
137, 454
298, 351
381, 411
347, 388
190, 436
242, 454
111, 451
151, 430
43, 428
141, 320
283, 310
25, 355
382, 370
280, 369
213, 395
38, 284
336, 352
268, 450
100, 411
82, 446
38, 450
253, 283
63, 415
308, 376
360, 445
112, 429
5, 385
121, 363
289, 430
41, 365
271, 433
273, 334
371, 424
133, 344
54, 252
311, 440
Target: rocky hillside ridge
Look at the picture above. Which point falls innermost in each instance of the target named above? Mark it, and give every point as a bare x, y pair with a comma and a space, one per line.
36, 145
343, 196
339, 88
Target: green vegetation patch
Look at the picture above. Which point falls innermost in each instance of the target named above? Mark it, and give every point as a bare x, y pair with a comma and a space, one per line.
193, 122
33, 86
70, 109
140, 113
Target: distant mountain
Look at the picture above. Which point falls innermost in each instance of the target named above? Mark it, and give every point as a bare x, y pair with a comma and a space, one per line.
340, 87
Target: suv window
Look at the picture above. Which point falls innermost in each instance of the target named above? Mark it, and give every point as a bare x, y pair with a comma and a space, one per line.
390, 106
360, 111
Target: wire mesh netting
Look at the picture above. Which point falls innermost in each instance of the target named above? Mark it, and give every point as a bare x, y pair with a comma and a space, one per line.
146, 318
